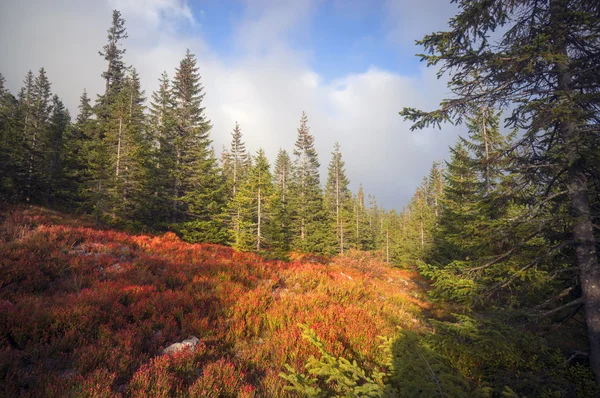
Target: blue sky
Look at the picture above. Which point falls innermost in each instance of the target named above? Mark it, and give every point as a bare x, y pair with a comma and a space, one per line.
349, 64
339, 37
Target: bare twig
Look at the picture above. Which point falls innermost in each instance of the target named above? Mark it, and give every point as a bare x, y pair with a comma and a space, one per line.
562, 307
559, 296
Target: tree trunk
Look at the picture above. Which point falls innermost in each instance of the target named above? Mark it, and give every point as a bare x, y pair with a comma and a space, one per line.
342, 238
283, 185
119, 147
583, 234
387, 245
337, 204
258, 222
586, 257
487, 154
357, 234
107, 79
31, 163
109, 69
237, 228
235, 161
177, 185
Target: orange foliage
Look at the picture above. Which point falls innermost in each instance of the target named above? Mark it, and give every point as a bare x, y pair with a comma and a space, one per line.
86, 312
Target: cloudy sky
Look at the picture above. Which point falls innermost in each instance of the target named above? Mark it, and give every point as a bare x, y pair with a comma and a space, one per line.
349, 64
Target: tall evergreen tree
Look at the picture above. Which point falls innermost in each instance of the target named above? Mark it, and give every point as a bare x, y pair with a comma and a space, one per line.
124, 142
78, 145
192, 129
280, 226
85, 108
544, 69
308, 212
236, 166
436, 187
162, 133
362, 235
487, 145
136, 162
26, 116
11, 145
462, 195
60, 122
114, 76
375, 218
38, 108
252, 206
282, 174
198, 188
419, 225
109, 125
337, 196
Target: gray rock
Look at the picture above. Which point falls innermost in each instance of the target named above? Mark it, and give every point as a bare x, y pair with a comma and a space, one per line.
69, 373
115, 267
190, 342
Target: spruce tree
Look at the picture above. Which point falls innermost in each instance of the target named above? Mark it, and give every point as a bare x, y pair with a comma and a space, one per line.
114, 76
109, 125
374, 216
460, 202
60, 122
282, 174
236, 166
251, 207
85, 108
198, 188
136, 163
192, 129
26, 115
11, 145
77, 172
308, 213
280, 223
420, 225
543, 68
362, 234
38, 108
125, 144
162, 133
436, 184
487, 145
337, 197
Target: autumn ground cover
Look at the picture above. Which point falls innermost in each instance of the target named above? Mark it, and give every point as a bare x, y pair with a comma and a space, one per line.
86, 312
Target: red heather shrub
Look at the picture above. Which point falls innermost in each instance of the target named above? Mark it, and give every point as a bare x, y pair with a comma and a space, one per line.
221, 379
87, 312
153, 380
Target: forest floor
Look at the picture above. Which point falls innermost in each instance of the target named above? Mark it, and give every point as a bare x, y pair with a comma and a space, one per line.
86, 311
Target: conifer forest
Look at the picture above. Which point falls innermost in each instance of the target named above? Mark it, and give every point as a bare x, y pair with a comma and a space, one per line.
138, 260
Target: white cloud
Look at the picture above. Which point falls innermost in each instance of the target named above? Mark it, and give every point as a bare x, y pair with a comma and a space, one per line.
154, 12
267, 23
408, 21
265, 89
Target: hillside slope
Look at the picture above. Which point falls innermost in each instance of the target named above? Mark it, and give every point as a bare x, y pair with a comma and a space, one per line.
87, 312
